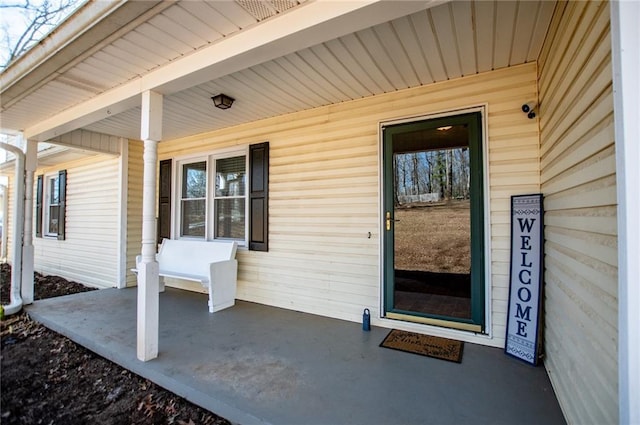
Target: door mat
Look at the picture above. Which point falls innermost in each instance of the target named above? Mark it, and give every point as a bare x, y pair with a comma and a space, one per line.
426, 345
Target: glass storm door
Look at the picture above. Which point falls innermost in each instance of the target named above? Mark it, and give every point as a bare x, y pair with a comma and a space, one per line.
433, 222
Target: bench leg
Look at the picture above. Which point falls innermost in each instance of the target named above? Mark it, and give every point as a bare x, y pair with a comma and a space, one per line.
161, 284
210, 298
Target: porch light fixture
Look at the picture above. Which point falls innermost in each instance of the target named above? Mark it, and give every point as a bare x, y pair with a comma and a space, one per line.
222, 101
445, 128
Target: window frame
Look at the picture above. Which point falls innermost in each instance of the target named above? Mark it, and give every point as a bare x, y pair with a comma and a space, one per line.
213, 213
47, 204
210, 198
180, 198
43, 205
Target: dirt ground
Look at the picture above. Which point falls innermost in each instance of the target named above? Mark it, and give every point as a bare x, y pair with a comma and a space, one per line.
433, 237
48, 379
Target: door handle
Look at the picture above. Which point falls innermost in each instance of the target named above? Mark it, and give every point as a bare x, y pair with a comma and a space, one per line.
389, 220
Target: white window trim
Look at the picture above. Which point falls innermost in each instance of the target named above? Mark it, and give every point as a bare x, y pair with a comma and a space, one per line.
211, 193
46, 203
210, 160
178, 196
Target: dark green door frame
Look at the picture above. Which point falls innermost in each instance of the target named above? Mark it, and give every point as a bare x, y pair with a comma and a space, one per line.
473, 121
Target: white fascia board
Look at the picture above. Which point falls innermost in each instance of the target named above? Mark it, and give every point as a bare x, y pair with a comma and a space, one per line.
625, 33
309, 24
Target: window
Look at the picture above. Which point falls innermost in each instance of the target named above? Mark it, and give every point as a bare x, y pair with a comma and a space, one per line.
229, 197
194, 199
217, 213
218, 197
50, 205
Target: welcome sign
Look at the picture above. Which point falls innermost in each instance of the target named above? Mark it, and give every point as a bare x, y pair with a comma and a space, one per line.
525, 286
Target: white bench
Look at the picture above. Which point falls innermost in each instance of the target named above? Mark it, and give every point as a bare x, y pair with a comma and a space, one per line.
213, 264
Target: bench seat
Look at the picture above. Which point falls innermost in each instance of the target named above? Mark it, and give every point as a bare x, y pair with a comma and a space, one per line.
212, 263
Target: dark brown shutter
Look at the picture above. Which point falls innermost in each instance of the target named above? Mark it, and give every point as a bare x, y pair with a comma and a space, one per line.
39, 196
259, 197
62, 188
164, 201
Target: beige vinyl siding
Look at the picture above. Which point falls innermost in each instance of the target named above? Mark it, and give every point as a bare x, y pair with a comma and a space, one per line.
7, 222
325, 197
579, 183
89, 254
134, 209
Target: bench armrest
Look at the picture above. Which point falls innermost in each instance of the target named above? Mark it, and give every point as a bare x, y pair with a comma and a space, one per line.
223, 283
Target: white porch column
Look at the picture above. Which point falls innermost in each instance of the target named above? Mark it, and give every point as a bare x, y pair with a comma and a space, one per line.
148, 279
31, 163
625, 34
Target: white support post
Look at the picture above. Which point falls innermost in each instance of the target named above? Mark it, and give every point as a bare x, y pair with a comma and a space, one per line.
625, 36
31, 163
148, 277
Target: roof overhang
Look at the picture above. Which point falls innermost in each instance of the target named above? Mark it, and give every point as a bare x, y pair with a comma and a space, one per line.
305, 26
95, 24
314, 53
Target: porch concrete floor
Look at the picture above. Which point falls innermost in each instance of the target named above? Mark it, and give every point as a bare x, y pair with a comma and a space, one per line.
258, 364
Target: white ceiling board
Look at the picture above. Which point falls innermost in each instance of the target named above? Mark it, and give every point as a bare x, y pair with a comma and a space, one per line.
505, 25
354, 44
125, 124
543, 19
133, 63
485, 32
251, 100
445, 42
181, 32
313, 80
146, 59
330, 74
101, 67
409, 40
296, 83
171, 42
50, 96
397, 55
374, 50
442, 21
351, 61
425, 33
525, 24
258, 44
196, 20
464, 25
93, 26
142, 41
388, 57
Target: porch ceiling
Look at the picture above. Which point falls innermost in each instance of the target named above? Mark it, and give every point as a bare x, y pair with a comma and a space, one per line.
435, 44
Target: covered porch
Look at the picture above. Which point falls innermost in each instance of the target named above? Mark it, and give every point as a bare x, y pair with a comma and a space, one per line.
319, 80
258, 364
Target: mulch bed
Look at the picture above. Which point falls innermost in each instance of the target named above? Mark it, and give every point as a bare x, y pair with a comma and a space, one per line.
48, 379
